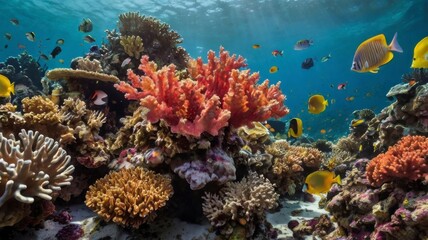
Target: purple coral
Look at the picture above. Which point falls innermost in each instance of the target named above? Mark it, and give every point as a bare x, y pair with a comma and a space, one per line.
70, 232
216, 167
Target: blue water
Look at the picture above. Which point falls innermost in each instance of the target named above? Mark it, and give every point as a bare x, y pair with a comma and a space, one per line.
335, 26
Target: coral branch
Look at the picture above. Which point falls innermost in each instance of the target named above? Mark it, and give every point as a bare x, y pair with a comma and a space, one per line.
216, 95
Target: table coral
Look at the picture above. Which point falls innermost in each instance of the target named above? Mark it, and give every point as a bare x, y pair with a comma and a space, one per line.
34, 166
405, 161
219, 95
129, 197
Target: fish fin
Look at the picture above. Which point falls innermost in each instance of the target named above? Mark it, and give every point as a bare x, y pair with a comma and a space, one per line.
325, 102
12, 88
394, 46
376, 70
337, 180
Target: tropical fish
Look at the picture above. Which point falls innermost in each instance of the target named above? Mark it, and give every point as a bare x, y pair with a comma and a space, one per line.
326, 58
31, 36
420, 54
320, 181
308, 63
350, 98
273, 69
89, 39
256, 46
99, 97
125, 62
317, 104
61, 61
303, 44
277, 53
356, 122
56, 51
60, 41
295, 128
323, 131
44, 57
21, 46
6, 87
373, 53
85, 25
14, 21
8, 36
333, 101
341, 86
6, 46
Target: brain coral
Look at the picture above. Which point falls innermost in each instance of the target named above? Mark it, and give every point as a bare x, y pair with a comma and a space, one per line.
129, 197
407, 160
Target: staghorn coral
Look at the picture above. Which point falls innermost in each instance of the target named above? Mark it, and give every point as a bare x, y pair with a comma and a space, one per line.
129, 197
405, 161
72, 111
89, 65
96, 120
34, 166
132, 45
244, 202
220, 95
66, 73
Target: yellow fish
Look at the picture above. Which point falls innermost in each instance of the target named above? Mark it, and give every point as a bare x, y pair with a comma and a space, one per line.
317, 104
321, 181
296, 128
273, 69
420, 54
373, 53
6, 87
355, 122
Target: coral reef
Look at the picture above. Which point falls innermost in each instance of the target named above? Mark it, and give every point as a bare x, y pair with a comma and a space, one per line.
34, 166
290, 163
88, 65
405, 161
129, 197
221, 95
240, 204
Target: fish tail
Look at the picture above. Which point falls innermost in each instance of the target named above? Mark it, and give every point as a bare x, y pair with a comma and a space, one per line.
337, 180
326, 102
394, 45
12, 88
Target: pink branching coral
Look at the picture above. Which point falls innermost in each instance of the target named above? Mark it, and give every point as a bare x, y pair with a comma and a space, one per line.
407, 160
216, 95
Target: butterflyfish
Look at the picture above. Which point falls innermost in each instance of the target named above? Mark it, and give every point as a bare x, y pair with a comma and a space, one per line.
420, 54
303, 44
373, 53
320, 181
273, 69
295, 128
317, 104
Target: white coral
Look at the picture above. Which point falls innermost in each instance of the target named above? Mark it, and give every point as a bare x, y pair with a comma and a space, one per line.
33, 166
250, 197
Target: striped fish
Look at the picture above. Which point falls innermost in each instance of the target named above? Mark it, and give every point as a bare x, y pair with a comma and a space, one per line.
373, 53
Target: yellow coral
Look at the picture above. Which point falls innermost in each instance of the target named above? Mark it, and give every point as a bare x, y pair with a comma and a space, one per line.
89, 65
258, 133
132, 45
129, 197
40, 110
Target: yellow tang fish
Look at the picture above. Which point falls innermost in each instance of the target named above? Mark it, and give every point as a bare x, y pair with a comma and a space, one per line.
296, 128
321, 181
6, 87
373, 53
317, 104
420, 54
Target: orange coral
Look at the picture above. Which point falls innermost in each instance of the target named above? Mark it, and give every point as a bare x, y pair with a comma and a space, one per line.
129, 197
406, 160
217, 95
